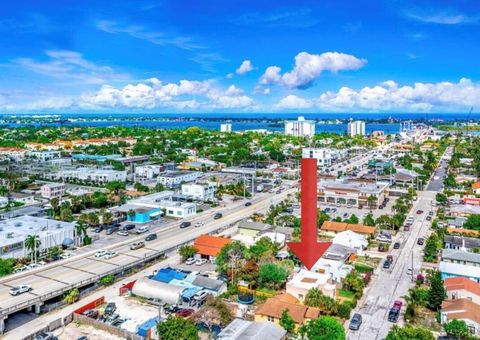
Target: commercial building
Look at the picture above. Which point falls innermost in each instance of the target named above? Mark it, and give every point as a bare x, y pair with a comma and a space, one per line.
300, 127
51, 190
356, 127
91, 175
14, 231
148, 171
44, 156
22, 197
352, 193
304, 280
175, 178
226, 127
201, 192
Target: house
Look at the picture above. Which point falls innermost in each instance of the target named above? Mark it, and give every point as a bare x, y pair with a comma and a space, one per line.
456, 222
334, 262
462, 309
351, 239
209, 246
470, 199
464, 210
337, 227
476, 188
251, 228
460, 263
304, 280
240, 329
462, 288
272, 309
461, 242
51, 190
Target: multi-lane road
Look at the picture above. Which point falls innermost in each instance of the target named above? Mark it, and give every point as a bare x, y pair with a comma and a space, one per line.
56, 278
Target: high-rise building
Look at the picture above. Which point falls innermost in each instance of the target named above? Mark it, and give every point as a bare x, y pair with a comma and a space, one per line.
356, 127
226, 127
300, 127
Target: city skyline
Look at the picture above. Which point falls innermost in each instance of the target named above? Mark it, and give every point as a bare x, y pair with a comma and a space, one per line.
149, 56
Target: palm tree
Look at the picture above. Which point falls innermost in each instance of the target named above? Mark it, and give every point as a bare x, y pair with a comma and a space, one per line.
131, 213
3, 190
107, 217
55, 203
31, 243
92, 219
72, 296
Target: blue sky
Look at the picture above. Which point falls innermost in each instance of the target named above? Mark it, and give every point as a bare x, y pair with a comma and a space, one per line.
240, 56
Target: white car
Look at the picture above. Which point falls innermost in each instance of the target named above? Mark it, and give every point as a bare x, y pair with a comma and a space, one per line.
100, 253
122, 233
33, 265
199, 262
20, 289
65, 255
409, 271
199, 224
21, 269
190, 261
110, 254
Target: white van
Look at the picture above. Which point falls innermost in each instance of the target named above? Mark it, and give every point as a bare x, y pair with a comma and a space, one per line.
142, 229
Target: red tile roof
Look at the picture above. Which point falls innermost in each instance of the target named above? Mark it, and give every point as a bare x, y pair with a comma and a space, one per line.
460, 282
210, 245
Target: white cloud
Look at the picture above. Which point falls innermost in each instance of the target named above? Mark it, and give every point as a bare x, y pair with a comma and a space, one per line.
266, 91
71, 65
229, 75
245, 67
294, 102
308, 68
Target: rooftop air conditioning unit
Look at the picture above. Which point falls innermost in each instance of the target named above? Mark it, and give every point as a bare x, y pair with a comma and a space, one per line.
9, 235
17, 224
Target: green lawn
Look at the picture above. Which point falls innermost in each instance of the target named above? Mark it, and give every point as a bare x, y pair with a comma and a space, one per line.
345, 293
362, 268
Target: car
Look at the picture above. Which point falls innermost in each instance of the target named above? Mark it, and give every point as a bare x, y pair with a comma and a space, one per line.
142, 229
334, 210
409, 271
420, 241
393, 315
137, 245
91, 313
200, 296
111, 230
20, 289
386, 264
247, 204
390, 258
44, 336
128, 227
199, 224
397, 304
396, 245
326, 210
406, 228
381, 247
97, 229
110, 254
429, 218
345, 215
200, 262
338, 205
217, 216
349, 206
33, 265
110, 308
430, 213
419, 212
355, 322
117, 322
185, 225
190, 261
184, 312
100, 253
83, 337
65, 255
151, 237
122, 232
111, 318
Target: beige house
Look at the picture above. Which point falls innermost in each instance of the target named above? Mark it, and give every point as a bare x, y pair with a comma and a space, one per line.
305, 280
462, 309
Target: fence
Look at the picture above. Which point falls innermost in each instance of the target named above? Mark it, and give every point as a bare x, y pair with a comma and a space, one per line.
90, 305
55, 324
105, 327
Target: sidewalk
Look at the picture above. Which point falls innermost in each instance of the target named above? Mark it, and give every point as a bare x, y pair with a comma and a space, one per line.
107, 292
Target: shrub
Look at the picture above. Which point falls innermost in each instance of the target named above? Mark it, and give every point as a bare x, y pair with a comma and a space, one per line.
344, 309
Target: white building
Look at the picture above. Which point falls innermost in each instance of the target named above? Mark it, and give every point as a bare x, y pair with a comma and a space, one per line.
175, 178
305, 280
3, 201
351, 193
51, 190
351, 239
178, 209
148, 171
226, 127
300, 127
14, 231
356, 127
202, 192
45, 155
324, 156
99, 176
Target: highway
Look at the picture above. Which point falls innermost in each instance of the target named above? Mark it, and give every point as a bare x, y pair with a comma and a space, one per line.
59, 277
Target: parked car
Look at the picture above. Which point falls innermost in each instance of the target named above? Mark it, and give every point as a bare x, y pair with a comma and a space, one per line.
100, 253
97, 229
430, 213
185, 225
420, 241
429, 218
406, 228
355, 322
393, 315
111, 230
110, 308
247, 204
396, 245
142, 229
137, 245
20, 289
419, 212
110, 254
111, 318
397, 304
390, 258
117, 322
201, 295
200, 262
217, 216
151, 237
184, 312
122, 232
45, 336
199, 224
386, 264
91, 313
128, 227
190, 261
409, 271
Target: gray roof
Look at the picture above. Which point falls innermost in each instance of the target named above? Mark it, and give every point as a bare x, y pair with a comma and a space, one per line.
457, 221
240, 329
470, 242
460, 255
338, 252
244, 224
208, 283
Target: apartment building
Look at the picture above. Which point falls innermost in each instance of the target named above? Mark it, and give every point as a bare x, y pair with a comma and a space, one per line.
51, 190
300, 127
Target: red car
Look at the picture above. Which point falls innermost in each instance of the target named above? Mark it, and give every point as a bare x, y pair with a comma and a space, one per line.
184, 313
406, 228
419, 212
397, 304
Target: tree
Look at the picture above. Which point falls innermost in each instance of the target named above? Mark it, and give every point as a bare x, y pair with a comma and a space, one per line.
316, 298
472, 222
441, 198
81, 229
187, 251
430, 251
436, 293
323, 328
107, 280
55, 203
353, 219
72, 296
7, 266
286, 321
175, 328
322, 217
354, 283
232, 257
272, 275
409, 333
92, 219
263, 246
115, 186
369, 220
3, 191
107, 217
32, 242
457, 329
372, 200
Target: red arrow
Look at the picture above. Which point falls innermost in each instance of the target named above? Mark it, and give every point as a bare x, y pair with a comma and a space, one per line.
309, 250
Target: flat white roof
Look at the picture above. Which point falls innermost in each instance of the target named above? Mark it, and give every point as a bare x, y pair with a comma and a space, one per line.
306, 279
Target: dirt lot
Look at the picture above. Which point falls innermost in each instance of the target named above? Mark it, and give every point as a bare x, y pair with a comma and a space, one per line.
134, 311
72, 331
